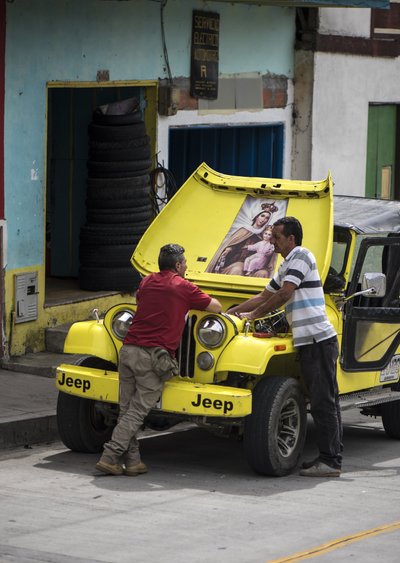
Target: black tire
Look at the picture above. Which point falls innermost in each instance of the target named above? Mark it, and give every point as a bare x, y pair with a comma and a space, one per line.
131, 215
124, 119
117, 199
81, 424
275, 432
101, 169
109, 279
115, 155
116, 133
391, 416
111, 256
96, 235
119, 183
130, 201
120, 174
95, 145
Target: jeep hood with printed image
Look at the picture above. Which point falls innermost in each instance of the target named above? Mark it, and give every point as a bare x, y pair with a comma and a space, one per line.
224, 224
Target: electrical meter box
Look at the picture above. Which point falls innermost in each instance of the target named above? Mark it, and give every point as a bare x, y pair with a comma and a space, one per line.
26, 297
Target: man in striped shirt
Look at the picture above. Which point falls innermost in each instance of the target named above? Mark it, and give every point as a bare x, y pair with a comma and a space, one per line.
297, 285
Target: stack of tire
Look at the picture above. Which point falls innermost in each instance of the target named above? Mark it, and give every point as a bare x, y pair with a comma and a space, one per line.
118, 204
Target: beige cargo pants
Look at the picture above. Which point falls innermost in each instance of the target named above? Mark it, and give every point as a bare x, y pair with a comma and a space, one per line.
142, 373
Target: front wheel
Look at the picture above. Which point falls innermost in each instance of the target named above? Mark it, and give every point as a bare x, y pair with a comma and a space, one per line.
85, 425
275, 432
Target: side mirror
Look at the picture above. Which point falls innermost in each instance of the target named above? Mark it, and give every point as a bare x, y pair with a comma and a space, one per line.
374, 284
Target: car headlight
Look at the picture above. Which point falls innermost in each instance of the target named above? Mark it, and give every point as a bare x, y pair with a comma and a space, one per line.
211, 332
205, 361
121, 323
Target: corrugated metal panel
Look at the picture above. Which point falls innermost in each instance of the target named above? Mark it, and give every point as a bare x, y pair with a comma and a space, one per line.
240, 150
318, 3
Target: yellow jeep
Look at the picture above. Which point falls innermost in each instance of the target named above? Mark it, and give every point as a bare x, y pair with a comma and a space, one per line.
238, 378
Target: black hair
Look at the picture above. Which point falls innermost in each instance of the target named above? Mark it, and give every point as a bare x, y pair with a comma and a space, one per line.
170, 255
291, 226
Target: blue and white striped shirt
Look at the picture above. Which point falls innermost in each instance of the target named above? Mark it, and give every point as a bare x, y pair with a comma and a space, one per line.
305, 310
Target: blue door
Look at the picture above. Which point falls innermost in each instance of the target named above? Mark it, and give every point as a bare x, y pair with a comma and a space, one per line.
255, 150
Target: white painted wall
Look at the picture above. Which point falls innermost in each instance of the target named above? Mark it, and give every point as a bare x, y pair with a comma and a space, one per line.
344, 87
353, 22
267, 116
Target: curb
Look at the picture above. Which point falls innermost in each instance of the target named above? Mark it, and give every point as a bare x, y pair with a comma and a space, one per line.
27, 431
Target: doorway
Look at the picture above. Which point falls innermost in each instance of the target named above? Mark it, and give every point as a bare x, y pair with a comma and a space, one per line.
383, 151
70, 110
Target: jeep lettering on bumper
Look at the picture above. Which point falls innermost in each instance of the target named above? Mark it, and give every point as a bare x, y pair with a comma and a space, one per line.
216, 404
78, 383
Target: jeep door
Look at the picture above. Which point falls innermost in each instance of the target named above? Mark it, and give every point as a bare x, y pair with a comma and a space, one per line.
371, 332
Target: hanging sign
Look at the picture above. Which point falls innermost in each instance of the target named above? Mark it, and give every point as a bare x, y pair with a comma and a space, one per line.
205, 55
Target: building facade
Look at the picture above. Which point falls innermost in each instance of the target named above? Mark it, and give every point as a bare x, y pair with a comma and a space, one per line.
276, 113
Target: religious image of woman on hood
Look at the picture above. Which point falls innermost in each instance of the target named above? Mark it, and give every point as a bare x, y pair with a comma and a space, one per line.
246, 250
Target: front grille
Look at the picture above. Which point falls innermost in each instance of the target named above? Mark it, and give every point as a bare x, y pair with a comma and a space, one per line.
187, 349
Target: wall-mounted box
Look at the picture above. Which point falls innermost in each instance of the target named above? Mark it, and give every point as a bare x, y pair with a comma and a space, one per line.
26, 297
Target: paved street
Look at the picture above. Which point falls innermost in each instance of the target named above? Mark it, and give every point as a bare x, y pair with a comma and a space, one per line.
200, 503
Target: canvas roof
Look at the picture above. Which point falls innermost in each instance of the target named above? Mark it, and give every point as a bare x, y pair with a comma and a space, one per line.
366, 215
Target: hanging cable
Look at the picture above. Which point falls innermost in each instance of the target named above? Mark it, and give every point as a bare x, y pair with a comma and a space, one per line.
163, 187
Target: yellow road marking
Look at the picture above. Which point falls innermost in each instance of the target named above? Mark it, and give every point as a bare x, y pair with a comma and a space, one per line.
338, 543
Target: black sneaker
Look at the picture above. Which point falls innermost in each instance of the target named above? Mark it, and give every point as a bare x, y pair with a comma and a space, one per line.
308, 464
320, 469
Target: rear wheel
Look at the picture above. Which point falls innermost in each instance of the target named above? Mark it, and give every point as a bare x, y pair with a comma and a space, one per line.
275, 432
391, 416
84, 425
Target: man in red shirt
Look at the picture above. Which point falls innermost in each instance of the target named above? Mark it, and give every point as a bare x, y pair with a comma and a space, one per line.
147, 357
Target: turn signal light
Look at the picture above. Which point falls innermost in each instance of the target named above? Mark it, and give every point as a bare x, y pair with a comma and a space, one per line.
279, 347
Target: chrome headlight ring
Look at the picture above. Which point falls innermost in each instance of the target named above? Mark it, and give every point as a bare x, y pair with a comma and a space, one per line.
211, 332
121, 322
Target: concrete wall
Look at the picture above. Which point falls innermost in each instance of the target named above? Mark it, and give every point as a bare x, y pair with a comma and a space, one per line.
71, 41
331, 103
344, 86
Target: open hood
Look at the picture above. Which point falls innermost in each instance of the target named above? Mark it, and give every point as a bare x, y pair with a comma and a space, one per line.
224, 221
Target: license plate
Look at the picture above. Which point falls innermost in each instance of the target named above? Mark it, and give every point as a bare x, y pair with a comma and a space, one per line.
392, 371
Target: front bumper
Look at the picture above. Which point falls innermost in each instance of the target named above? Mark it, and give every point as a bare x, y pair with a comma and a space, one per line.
178, 396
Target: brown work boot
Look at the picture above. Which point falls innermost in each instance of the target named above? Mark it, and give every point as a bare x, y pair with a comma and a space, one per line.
134, 470
106, 466
320, 469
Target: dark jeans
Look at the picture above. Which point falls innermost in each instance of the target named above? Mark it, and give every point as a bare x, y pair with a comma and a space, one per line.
318, 368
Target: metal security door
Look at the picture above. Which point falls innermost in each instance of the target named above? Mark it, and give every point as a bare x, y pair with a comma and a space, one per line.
239, 150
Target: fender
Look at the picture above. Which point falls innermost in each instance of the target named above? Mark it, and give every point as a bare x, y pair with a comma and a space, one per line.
249, 354
91, 338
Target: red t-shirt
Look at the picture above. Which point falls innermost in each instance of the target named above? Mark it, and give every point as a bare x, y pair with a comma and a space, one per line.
163, 300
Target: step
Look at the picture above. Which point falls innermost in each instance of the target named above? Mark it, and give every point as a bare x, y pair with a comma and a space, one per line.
368, 398
55, 337
40, 363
